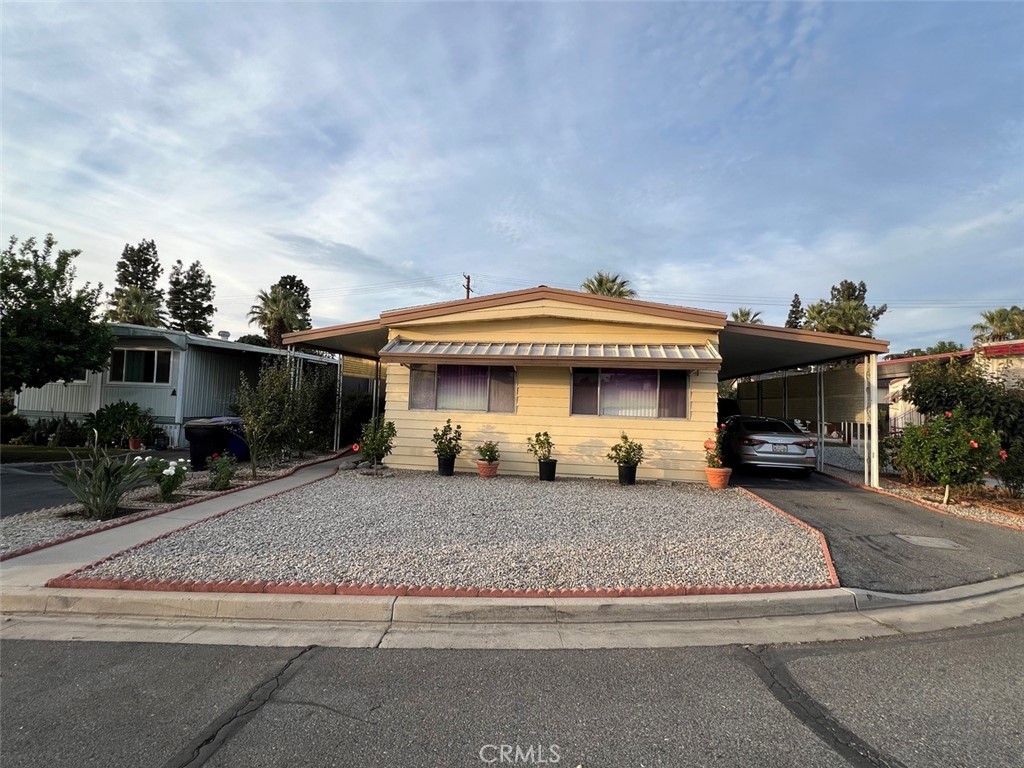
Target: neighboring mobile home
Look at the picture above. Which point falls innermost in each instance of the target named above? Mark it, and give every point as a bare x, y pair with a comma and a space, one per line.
584, 368
179, 376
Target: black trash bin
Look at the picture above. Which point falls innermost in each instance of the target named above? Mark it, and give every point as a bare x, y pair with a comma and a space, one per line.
235, 444
205, 438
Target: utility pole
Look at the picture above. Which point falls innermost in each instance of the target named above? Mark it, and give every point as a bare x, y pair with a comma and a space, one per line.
466, 286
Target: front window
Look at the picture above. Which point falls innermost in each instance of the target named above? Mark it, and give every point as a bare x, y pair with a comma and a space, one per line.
629, 393
141, 366
462, 388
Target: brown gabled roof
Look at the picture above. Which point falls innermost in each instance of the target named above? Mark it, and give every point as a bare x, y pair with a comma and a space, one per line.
426, 311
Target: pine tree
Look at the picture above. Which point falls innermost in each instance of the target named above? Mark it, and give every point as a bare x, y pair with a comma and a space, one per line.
190, 299
795, 318
139, 267
294, 285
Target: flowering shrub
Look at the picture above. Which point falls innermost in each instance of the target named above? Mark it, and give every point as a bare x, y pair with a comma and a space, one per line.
169, 475
1009, 468
951, 450
222, 471
713, 456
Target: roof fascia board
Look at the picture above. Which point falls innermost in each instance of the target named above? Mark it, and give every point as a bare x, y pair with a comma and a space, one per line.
863, 343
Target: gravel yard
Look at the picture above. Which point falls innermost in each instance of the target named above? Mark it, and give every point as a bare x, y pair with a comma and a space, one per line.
512, 532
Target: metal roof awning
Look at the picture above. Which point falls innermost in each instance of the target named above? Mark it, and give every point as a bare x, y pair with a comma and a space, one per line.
684, 356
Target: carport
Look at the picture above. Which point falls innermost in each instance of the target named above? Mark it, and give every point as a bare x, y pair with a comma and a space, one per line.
750, 350
747, 350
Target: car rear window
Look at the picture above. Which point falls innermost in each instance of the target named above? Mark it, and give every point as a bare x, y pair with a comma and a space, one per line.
769, 425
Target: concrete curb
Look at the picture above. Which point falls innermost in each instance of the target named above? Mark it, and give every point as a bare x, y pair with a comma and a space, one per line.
129, 519
925, 504
447, 611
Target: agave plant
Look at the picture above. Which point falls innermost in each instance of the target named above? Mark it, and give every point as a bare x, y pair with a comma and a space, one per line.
99, 481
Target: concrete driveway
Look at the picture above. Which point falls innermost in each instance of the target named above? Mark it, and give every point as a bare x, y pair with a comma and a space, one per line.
882, 543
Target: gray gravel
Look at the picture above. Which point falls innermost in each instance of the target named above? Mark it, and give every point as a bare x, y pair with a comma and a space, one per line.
514, 532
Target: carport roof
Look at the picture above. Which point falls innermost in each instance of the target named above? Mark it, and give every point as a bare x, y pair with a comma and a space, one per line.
746, 349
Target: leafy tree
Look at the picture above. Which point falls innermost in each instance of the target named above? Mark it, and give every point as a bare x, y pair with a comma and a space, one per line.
297, 288
265, 410
795, 318
253, 338
607, 284
47, 327
747, 315
1001, 324
134, 305
139, 267
846, 312
276, 312
944, 347
190, 299
938, 386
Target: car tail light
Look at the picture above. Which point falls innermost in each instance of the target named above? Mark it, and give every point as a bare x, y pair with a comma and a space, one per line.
806, 443
751, 441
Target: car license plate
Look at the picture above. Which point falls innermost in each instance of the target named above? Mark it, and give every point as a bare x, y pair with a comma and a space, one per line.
780, 449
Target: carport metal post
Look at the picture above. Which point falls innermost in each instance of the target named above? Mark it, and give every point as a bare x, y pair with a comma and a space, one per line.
819, 461
338, 404
376, 392
873, 417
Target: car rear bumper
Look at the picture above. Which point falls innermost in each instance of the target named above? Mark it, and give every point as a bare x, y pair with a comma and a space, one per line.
752, 458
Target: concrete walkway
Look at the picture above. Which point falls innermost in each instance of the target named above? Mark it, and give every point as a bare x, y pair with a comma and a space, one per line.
881, 543
34, 611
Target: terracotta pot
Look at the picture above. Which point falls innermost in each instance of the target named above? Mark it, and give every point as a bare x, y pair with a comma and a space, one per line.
135, 443
718, 477
487, 468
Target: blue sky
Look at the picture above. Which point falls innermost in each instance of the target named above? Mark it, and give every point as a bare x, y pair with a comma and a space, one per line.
715, 154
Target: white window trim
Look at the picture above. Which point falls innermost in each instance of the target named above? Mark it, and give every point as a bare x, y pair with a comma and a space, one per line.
121, 383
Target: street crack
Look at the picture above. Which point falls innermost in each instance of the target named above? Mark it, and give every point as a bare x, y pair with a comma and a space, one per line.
805, 708
220, 730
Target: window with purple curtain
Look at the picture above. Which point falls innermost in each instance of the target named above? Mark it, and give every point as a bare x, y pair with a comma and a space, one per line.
629, 393
462, 388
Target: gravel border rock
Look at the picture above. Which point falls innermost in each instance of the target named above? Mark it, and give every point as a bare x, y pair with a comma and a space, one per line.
511, 532
30, 529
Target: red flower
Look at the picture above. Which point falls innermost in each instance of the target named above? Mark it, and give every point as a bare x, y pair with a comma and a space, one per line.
1002, 455
355, 448
216, 456
949, 414
973, 444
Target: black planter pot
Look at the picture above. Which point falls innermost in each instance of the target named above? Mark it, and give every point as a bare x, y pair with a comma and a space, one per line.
446, 466
547, 468
627, 474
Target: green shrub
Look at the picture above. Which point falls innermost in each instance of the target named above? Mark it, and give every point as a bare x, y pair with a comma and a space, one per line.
488, 452
1010, 468
99, 481
951, 450
222, 471
265, 412
447, 440
113, 422
11, 426
168, 475
376, 441
627, 452
70, 434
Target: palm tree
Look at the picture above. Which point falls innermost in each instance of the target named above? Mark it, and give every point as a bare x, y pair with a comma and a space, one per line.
607, 284
137, 306
747, 315
277, 313
851, 318
1000, 324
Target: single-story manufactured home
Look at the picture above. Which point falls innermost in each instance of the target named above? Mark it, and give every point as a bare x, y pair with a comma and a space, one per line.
178, 375
582, 367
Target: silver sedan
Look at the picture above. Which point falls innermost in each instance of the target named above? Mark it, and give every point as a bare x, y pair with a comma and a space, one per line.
760, 441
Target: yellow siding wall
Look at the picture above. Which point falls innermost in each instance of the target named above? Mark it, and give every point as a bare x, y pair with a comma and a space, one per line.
674, 447
551, 329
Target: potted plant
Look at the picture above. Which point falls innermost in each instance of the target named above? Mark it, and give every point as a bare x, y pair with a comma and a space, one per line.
540, 445
628, 454
447, 445
716, 472
135, 426
487, 464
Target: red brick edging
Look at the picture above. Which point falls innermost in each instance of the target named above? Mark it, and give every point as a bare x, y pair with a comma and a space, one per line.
129, 519
350, 588
833, 577
930, 506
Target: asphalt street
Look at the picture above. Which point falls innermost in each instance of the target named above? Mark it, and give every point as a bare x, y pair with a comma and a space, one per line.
26, 487
947, 699
863, 531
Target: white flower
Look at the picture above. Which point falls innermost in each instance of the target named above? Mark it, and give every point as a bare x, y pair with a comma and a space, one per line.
168, 471
138, 458
149, 458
